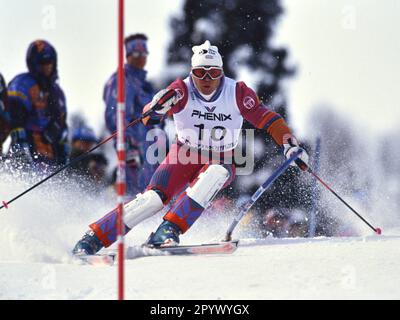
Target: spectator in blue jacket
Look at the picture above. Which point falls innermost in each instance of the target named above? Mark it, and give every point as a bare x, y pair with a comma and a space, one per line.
4, 116
37, 109
138, 92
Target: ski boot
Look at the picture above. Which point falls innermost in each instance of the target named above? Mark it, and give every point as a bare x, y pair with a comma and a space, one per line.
88, 245
167, 234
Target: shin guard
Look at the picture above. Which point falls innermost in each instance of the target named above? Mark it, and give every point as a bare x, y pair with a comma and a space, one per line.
142, 207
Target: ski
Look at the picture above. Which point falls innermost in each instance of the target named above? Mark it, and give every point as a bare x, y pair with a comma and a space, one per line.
197, 249
106, 259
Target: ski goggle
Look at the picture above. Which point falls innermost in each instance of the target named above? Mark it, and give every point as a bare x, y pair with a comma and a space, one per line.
137, 54
213, 72
135, 45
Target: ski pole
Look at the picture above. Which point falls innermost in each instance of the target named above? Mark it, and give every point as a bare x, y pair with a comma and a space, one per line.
168, 95
376, 230
244, 209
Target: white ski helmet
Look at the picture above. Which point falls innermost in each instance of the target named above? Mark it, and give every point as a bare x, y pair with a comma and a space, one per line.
206, 55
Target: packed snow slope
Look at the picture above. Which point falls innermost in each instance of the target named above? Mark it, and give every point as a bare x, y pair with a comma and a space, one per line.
356, 268
39, 230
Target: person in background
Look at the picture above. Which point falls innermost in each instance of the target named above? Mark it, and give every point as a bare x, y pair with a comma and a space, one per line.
94, 165
37, 109
4, 116
284, 223
138, 92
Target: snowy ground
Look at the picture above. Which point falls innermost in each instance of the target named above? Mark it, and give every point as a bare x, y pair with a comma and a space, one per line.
39, 230
351, 268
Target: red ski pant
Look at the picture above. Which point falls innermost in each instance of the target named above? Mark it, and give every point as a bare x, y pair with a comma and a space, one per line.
180, 168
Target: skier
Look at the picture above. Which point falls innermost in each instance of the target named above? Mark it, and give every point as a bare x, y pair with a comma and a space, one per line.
208, 109
37, 110
138, 92
4, 116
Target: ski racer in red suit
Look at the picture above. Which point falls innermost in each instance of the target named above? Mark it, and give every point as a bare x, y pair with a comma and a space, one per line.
208, 109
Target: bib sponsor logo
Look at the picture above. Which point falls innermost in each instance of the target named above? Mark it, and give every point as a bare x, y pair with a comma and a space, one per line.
210, 109
211, 116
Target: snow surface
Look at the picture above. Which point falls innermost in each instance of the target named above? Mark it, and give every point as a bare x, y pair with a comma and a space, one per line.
39, 230
351, 268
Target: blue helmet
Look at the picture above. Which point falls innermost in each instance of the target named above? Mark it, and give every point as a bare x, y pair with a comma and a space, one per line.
41, 52
85, 134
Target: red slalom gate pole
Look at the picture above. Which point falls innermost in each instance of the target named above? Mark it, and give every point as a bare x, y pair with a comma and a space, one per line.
121, 183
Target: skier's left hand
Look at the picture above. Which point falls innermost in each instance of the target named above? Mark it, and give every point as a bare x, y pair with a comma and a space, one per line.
291, 145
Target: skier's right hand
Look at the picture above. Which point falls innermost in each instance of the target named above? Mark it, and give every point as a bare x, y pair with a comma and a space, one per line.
162, 102
19, 149
290, 146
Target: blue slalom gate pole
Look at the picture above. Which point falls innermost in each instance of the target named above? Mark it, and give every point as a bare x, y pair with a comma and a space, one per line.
314, 198
248, 204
